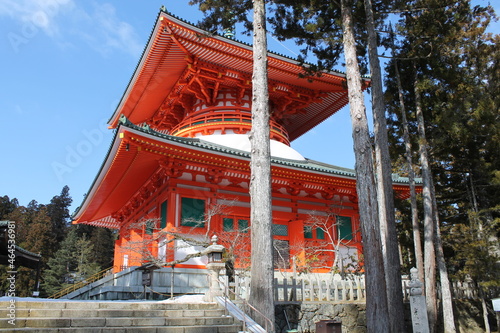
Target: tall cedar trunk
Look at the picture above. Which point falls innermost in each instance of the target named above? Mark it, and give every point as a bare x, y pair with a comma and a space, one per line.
385, 196
446, 298
476, 221
262, 270
377, 316
417, 242
487, 328
429, 234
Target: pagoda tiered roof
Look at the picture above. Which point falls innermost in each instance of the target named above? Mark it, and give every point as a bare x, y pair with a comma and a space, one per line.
178, 54
183, 68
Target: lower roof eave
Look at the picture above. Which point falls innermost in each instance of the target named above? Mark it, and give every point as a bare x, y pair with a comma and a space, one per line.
119, 160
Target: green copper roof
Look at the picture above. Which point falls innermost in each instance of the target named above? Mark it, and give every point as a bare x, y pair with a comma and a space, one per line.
307, 164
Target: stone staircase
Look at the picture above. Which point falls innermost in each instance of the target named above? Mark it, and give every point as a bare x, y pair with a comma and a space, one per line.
115, 316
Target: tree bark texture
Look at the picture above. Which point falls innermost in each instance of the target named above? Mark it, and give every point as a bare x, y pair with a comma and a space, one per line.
446, 297
385, 196
417, 241
429, 232
377, 316
262, 269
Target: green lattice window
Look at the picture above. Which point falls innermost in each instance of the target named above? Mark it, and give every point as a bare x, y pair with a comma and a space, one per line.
163, 215
228, 224
320, 233
344, 225
243, 225
308, 231
280, 230
150, 226
192, 212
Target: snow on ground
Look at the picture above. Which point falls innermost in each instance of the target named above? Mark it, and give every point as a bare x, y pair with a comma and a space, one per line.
185, 299
178, 299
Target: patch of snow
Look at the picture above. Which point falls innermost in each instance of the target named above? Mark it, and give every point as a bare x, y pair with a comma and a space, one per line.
38, 299
186, 299
242, 142
178, 299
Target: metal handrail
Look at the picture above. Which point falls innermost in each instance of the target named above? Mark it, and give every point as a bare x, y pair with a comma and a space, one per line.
81, 284
245, 303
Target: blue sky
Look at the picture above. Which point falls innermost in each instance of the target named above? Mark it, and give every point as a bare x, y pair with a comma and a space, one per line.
65, 65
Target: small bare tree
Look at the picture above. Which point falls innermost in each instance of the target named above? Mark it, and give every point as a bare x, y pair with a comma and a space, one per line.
236, 241
329, 224
146, 248
237, 247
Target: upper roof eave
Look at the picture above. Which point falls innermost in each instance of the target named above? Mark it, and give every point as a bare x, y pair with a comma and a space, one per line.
113, 121
245, 45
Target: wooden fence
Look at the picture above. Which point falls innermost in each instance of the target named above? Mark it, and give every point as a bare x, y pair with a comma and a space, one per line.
328, 288
310, 289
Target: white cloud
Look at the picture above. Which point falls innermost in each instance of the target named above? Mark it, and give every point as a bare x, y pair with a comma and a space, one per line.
97, 25
40, 13
107, 32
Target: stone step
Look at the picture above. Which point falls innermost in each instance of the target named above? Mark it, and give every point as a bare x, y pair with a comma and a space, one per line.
136, 329
115, 316
89, 305
116, 322
85, 313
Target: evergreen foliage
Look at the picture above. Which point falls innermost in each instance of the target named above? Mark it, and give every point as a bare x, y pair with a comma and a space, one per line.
72, 263
458, 64
7, 206
445, 45
69, 253
58, 211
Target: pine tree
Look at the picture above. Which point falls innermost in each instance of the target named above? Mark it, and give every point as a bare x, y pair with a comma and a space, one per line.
7, 206
383, 175
222, 14
56, 276
39, 238
457, 66
70, 264
58, 210
103, 242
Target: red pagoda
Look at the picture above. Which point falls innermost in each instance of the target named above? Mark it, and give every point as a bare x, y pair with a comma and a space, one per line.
181, 148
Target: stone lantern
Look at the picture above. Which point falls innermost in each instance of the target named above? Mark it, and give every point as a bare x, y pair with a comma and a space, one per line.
214, 266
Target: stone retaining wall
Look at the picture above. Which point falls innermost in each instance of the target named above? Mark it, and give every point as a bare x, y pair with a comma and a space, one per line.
304, 316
